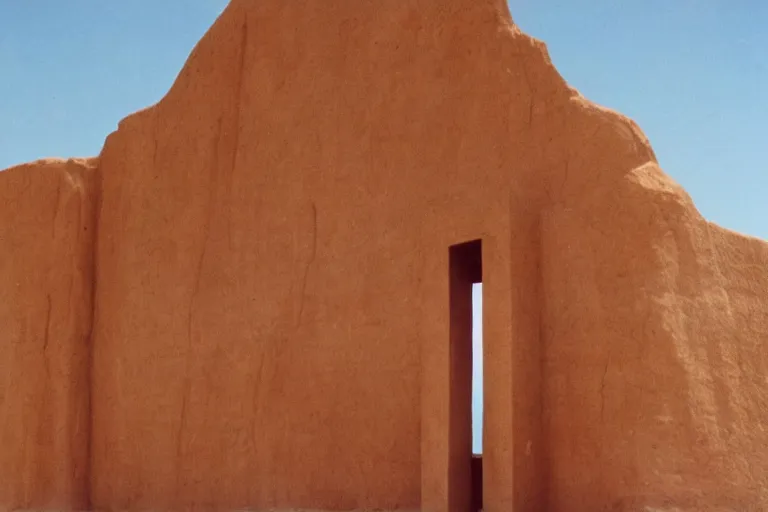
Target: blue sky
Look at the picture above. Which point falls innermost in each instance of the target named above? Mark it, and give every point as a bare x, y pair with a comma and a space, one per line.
692, 73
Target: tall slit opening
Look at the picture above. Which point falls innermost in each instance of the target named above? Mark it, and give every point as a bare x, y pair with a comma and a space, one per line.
477, 369
466, 387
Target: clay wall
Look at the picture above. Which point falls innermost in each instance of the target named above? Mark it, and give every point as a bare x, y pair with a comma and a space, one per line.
275, 331
272, 321
46, 283
654, 353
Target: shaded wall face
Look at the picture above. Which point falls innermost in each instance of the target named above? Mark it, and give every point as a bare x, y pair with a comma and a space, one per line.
653, 365
46, 241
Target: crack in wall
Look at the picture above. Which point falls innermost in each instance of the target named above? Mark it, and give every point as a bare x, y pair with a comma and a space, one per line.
91, 266
187, 381
47, 333
531, 93
602, 386
56, 208
238, 101
313, 255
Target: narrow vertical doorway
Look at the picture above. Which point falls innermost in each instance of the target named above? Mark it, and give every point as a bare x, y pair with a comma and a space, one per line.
477, 396
465, 471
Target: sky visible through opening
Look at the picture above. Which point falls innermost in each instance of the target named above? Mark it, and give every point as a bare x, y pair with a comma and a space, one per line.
477, 368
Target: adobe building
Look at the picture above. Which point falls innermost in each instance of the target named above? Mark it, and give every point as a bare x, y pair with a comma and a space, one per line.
257, 296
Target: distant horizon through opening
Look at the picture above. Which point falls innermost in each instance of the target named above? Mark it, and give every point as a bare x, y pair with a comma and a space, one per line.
477, 368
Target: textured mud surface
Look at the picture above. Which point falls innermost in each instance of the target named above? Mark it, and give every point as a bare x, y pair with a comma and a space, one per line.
268, 259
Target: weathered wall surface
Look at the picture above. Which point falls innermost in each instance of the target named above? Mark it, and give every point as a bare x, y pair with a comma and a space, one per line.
271, 323
275, 239
46, 241
275, 236
656, 324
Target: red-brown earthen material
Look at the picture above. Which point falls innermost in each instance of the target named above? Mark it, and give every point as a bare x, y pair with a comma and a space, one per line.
272, 324
46, 282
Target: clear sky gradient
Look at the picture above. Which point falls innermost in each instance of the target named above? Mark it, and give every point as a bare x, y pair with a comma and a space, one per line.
692, 73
